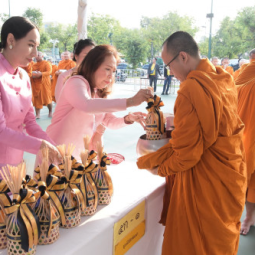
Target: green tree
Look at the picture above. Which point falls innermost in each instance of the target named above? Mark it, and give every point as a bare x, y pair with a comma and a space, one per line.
35, 15
101, 26
66, 35
156, 30
135, 48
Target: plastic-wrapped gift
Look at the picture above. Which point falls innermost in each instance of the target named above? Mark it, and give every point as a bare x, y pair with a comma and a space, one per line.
72, 199
22, 224
48, 204
102, 178
155, 122
87, 185
3, 197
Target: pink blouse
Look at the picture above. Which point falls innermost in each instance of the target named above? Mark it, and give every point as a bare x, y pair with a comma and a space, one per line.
19, 131
61, 81
78, 114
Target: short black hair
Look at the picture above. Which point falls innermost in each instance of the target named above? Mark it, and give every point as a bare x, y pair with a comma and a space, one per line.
181, 41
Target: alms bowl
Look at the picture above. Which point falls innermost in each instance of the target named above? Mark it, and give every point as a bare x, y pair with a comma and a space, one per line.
144, 146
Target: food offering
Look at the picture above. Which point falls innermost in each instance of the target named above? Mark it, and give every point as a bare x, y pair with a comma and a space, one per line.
48, 204
102, 178
72, 199
3, 197
155, 121
22, 224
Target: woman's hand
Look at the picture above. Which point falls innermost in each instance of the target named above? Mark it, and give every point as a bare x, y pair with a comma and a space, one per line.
136, 117
96, 139
54, 155
141, 96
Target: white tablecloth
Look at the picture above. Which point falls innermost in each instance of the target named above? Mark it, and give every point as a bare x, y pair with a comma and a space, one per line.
94, 236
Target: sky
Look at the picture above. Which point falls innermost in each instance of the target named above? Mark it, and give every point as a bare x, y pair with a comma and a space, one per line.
129, 12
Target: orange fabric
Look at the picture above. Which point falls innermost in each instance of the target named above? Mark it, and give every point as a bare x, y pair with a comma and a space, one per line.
246, 109
237, 72
229, 69
41, 87
53, 81
206, 157
28, 68
63, 65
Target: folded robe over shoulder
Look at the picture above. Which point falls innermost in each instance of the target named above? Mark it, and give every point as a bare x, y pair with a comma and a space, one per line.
246, 109
204, 166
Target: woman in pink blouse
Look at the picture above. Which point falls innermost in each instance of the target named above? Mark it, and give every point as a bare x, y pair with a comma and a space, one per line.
83, 102
19, 131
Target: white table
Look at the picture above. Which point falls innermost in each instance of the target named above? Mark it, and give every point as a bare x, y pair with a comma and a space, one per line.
94, 236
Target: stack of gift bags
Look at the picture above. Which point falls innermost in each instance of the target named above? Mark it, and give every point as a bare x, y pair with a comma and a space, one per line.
32, 210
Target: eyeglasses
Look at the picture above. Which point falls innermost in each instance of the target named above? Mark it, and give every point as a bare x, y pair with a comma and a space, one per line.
167, 65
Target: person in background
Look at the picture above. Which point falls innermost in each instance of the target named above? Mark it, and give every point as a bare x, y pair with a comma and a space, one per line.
225, 65
83, 104
81, 49
215, 61
41, 85
65, 64
153, 71
167, 81
19, 131
204, 161
242, 64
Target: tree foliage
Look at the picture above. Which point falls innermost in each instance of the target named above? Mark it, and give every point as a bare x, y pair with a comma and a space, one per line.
35, 15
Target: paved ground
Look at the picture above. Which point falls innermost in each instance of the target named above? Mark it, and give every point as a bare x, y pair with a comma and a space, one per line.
124, 141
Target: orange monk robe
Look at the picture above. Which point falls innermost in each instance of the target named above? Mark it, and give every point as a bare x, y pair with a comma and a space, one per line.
29, 68
229, 69
205, 156
65, 64
238, 71
41, 87
246, 109
54, 69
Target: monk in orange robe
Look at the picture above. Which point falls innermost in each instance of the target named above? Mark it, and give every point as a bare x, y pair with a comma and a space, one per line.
65, 64
215, 61
52, 77
225, 66
29, 68
41, 85
246, 109
242, 65
204, 160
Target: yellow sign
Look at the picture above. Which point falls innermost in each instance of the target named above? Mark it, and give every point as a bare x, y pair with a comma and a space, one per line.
129, 229
127, 242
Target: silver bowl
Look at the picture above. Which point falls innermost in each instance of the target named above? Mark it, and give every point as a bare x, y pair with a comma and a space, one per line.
144, 146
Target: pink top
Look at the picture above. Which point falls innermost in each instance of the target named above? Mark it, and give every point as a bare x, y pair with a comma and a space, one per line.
77, 114
61, 81
16, 116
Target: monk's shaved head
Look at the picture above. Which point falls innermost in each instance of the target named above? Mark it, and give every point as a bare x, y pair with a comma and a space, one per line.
181, 41
215, 61
252, 54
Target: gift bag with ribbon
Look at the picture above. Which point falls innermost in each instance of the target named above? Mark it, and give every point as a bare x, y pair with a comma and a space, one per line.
155, 122
3, 199
72, 199
102, 178
48, 205
22, 224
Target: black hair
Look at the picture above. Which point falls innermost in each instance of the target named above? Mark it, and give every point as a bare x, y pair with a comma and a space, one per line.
80, 45
181, 41
18, 26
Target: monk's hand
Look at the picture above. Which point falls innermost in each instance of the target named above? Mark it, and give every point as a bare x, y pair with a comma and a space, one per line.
54, 154
138, 117
141, 96
57, 72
